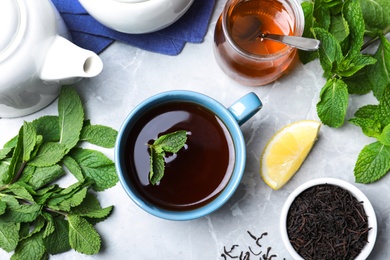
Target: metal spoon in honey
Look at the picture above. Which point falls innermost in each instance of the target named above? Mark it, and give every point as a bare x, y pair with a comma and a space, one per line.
254, 31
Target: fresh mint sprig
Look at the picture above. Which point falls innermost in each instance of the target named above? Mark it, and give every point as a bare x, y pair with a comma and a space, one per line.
346, 29
37, 216
168, 143
342, 27
374, 160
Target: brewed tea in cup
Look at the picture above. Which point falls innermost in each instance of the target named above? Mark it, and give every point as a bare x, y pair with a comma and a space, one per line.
202, 175
238, 47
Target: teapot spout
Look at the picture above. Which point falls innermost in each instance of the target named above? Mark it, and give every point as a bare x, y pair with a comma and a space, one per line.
66, 63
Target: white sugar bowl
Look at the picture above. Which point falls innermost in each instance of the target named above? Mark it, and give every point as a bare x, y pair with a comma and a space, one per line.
136, 16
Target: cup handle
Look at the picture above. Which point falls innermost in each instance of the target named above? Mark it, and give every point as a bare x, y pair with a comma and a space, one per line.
245, 107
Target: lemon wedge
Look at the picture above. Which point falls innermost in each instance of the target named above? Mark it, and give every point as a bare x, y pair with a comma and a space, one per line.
286, 150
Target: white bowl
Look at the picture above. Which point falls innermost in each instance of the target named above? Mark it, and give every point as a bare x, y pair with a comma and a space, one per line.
359, 195
136, 16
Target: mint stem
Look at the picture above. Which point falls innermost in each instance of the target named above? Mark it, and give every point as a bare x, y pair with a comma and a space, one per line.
55, 211
17, 176
368, 43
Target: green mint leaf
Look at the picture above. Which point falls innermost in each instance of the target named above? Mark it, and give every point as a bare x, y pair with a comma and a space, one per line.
22, 190
29, 140
96, 166
372, 163
73, 167
368, 111
157, 165
350, 65
379, 73
62, 194
48, 127
82, 236
307, 56
10, 200
30, 248
17, 158
24, 230
358, 83
330, 53
4, 170
71, 201
11, 143
21, 213
321, 14
74, 188
100, 135
48, 155
58, 242
71, 117
43, 194
384, 137
383, 112
370, 128
3, 206
9, 235
172, 142
50, 227
39, 142
339, 27
35, 227
4, 152
333, 103
376, 14
352, 13
45, 175
27, 173
90, 207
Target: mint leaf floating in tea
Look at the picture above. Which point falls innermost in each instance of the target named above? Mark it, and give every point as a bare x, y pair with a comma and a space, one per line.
170, 143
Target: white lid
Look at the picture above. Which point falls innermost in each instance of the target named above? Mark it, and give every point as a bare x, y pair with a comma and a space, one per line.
132, 1
12, 21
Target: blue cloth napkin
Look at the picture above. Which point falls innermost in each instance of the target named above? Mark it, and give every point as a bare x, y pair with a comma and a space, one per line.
88, 33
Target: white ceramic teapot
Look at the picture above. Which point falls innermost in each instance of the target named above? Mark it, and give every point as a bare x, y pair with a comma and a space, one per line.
36, 57
136, 16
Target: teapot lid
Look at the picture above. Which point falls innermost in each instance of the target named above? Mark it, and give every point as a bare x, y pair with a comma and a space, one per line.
13, 24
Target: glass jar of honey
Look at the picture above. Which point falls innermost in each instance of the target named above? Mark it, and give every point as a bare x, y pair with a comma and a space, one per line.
240, 50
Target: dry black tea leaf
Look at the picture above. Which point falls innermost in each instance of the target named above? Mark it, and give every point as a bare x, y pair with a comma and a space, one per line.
327, 222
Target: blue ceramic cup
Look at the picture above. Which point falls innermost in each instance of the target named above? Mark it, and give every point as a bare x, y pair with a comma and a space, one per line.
233, 117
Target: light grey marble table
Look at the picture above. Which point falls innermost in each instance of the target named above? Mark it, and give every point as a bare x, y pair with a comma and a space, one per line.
131, 75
